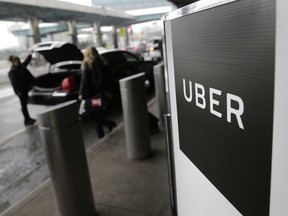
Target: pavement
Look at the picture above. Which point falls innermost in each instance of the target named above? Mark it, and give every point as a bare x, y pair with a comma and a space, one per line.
121, 186
4, 69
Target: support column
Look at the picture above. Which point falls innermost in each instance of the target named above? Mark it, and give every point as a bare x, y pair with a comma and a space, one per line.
35, 31
50, 37
97, 34
72, 32
115, 38
126, 36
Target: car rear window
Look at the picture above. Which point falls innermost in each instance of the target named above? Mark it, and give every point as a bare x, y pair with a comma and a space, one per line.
130, 58
113, 58
119, 57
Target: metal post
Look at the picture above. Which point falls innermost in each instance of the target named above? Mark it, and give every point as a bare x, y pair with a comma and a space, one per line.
135, 116
115, 37
160, 91
171, 164
126, 37
34, 25
72, 32
65, 154
97, 35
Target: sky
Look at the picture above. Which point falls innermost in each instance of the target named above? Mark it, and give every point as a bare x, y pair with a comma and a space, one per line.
7, 38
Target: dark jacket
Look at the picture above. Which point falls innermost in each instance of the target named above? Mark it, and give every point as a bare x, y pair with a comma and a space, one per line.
91, 80
21, 78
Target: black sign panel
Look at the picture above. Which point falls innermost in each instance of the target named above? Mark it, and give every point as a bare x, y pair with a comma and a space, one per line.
224, 72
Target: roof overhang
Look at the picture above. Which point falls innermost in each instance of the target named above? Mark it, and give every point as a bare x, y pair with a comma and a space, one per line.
181, 3
56, 11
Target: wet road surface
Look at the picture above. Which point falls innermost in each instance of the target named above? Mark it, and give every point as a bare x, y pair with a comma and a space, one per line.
22, 160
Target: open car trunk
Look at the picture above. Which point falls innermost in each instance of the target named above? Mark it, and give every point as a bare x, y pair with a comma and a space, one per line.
54, 80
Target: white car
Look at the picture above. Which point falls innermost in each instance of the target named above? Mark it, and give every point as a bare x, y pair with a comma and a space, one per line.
154, 49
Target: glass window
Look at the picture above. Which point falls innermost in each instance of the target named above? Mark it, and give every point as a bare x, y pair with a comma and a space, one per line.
129, 57
114, 58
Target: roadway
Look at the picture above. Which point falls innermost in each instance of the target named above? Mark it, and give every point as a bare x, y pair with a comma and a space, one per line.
22, 159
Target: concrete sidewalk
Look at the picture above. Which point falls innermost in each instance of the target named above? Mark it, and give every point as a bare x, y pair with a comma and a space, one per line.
121, 187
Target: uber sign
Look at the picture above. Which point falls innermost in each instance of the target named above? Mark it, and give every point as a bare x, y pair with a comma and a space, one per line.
224, 74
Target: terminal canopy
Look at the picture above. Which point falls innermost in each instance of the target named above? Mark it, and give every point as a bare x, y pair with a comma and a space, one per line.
56, 11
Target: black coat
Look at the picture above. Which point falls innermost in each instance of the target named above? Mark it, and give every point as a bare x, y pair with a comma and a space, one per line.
21, 78
91, 80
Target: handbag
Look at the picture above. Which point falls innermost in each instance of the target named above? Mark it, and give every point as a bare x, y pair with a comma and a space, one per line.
95, 103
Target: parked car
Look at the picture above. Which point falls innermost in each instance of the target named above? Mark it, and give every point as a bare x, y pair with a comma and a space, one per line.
98, 49
154, 49
65, 62
137, 48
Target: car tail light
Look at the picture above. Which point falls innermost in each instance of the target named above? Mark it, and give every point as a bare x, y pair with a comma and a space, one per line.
68, 84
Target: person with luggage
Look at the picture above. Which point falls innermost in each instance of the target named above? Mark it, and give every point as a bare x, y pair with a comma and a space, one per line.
92, 85
22, 80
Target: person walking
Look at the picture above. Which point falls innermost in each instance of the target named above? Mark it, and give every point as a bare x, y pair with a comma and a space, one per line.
22, 80
91, 85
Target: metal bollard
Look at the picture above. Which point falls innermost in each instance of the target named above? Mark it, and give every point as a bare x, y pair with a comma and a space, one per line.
160, 91
61, 135
171, 164
135, 116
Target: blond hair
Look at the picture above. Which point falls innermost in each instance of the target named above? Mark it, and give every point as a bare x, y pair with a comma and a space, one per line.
90, 56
